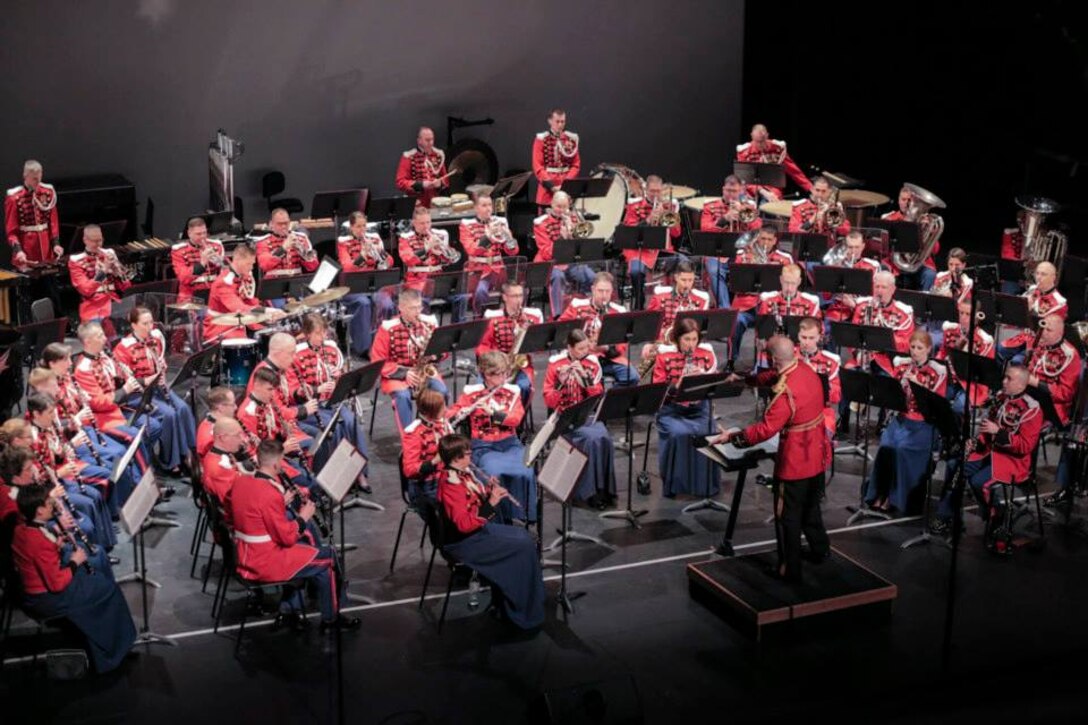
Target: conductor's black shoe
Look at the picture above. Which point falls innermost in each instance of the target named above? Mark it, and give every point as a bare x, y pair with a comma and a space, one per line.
344, 624
1063, 497
813, 557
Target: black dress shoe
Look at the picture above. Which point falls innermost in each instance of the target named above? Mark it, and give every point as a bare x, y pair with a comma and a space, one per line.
1062, 497
290, 620
166, 493
344, 624
365, 488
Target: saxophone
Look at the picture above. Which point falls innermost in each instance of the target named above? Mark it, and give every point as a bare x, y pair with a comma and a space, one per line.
424, 368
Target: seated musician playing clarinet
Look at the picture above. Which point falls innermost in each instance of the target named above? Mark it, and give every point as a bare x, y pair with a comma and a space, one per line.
420, 462
261, 418
221, 404
363, 251
735, 211
494, 411
559, 222
485, 239
1044, 300
98, 276
478, 534
883, 310
572, 376
954, 337
503, 327
906, 445
613, 358
683, 469
233, 293
225, 461
143, 353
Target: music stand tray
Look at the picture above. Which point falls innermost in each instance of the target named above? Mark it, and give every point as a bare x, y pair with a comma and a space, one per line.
706, 387
586, 187
714, 324
390, 208
755, 278
809, 246
929, 307
194, 363
640, 238
371, 281
271, 288
903, 237
843, 281
356, 382
574, 251
767, 326
715, 244
336, 204
863, 337
445, 285
629, 327
453, 338
1004, 309
546, 336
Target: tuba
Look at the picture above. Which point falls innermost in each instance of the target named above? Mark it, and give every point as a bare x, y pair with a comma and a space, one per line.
1040, 244
931, 227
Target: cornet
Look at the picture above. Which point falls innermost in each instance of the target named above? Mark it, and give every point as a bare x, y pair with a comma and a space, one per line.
498, 232
439, 246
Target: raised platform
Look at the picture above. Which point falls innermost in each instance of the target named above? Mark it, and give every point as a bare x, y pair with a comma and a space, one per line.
743, 590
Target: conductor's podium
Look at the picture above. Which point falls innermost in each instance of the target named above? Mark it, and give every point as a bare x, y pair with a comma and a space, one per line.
745, 593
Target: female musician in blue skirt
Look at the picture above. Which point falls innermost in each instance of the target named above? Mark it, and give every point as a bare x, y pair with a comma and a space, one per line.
683, 468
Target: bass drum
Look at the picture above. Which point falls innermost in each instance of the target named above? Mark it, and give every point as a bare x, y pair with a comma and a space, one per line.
626, 184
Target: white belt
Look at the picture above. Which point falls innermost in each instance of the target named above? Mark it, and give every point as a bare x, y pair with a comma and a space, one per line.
431, 268
250, 539
34, 228
485, 260
557, 169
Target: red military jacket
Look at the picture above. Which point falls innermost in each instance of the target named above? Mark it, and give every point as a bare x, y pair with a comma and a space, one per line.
399, 345
204, 435
314, 368
221, 471
289, 394
802, 304
637, 212
581, 308
839, 311
769, 153
898, 216
499, 414
502, 329
554, 162
1011, 448
485, 255
31, 222
268, 543
666, 299
954, 338
945, 284
262, 420
192, 273
803, 217
145, 357
1012, 244
931, 374
827, 365
70, 402
419, 263
712, 218
895, 315
1040, 304
748, 256
273, 255
419, 447
560, 396
362, 255
1058, 368
8, 507
99, 377
546, 229
461, 496
36, 554
231, 292
670, 363
98, 291
796, 413
415, 167
51, 448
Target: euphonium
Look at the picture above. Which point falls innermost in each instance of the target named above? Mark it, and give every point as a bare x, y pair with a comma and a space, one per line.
1040, 244
931, 227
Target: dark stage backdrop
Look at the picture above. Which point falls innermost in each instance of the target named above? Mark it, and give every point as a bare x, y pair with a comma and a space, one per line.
332, 92
974, 102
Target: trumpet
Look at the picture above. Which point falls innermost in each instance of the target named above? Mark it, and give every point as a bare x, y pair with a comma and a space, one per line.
497, 232
372, 252
210, 257
107, 265
299, 242
439, 246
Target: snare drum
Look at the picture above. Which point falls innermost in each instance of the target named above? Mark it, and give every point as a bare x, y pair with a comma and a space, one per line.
238, 358
626, 184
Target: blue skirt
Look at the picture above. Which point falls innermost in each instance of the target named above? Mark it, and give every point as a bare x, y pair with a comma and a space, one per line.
683, 468
175, 424
506, 556
599, 475
902, 461
503, 459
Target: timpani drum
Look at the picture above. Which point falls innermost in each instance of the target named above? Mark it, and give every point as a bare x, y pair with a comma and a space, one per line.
626, 184
238, 357
696, 203
859, 204
681, 193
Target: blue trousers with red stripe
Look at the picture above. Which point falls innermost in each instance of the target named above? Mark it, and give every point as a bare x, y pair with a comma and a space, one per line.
322, 571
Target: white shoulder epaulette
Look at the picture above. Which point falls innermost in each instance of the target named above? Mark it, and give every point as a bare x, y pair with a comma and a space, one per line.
413, 425
472, 388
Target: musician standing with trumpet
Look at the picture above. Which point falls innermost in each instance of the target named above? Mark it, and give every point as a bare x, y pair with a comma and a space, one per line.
504, 325
735, 211
421, 172
97, 275
283, 251
556, 157
485, 239
361, 250
196, 260
560, 222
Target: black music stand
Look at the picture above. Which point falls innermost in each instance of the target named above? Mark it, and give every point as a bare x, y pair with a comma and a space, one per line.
37, 335
760, 174
713, 324
754, 278
546, 336
389, 210
767, 326
573, 417
639, 239
509, 186
576, 251
1071, 284
536, 276
868, 390
929, 307
348, 388
708, 387
1001, 309
452, 338
1046, 402
717, 245
336, 204
367, 283
843, 280
445, 286
904, 237
272, 288
867, 338
629, 328
136, 518
195, 365
983, 370
565, 464
159, 287
626, 403
587, 187
808, 246
937, 411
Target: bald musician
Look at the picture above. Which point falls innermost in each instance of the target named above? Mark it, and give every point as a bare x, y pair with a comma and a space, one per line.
724, 215
762, 149
421, 172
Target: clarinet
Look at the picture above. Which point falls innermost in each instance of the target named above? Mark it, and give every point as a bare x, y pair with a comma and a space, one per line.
65, 504
296, 503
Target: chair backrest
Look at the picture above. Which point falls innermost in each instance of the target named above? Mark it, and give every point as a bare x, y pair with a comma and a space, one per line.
42, 310
403, 479
273, 183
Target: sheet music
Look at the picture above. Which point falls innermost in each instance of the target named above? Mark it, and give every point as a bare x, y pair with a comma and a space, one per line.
562, 469
341, 470
140, 503
123, 462
324, 276
730, 452
541, 439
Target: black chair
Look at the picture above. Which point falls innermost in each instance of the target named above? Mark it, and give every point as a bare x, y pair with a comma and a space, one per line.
200, 499
274, 183
436, 524
409, 508
42, 310
1012, 510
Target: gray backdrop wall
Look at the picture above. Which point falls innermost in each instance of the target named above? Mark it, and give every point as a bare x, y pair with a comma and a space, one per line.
331, 92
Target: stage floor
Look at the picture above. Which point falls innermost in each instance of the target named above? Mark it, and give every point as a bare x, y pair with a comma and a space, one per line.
636, 621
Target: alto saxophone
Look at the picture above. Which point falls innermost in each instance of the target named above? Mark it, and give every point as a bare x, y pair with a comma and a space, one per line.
424, 369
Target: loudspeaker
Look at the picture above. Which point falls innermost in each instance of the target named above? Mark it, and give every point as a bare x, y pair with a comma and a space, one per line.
613, 701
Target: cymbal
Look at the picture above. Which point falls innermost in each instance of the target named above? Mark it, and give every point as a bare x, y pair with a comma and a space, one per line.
860, 198
778, 208
323, 298
238, 320
293, 307
186, 306
680, 193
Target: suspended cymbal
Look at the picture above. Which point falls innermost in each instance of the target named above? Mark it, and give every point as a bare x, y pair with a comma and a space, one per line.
323, 298
240, 319
186, 306
860, 198
293, 307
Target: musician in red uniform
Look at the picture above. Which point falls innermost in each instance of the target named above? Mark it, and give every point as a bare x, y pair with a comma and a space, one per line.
283, 251
485, 239
883, 310
97, 275
1055, 365
954, 282
271, 544
649, 211
591, 311
400, 342
68, 586
494, 412
225, 461
424, 251
804, 453
1044, 299
812, 215
556, 157
503, 327
1002, 451
842, 306
907, 442
30, 219
923, 278
261, 418
221, 405
421, 172
197, 260
764, 150
361, 250
954, 337
727, 214
572, 376
680, 296
826, 364
559, 222
762, 250
789, 301
420, 462
234, 292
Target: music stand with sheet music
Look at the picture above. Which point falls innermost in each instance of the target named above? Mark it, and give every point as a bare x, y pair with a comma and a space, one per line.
194, 366
716, 245
753, 279
640, 238
713, 324
866, 338
559, 476
843, 280
937, 411
1001, 309
929, 307
983, 370
454, 338
444, 286
546, 336
273, 288
767, 326
369, 282
904, 237
587, 187
626, 403
808, 246
337, 478
708, 387
389, 210
869, 390
627, 328
577, 251
760, 174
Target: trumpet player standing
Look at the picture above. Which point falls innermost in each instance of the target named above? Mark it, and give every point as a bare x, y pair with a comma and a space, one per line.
485, 239
654, 209
361, 250
97, 275
735, 211
196, 260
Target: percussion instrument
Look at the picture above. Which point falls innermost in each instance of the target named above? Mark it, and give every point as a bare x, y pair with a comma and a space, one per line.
324, 223
239, 357
441, 202
626, 184
782, 208
856, 201
323, 298
696, 203
475, 190
239, 319
186, 307
458, 198
680, 193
